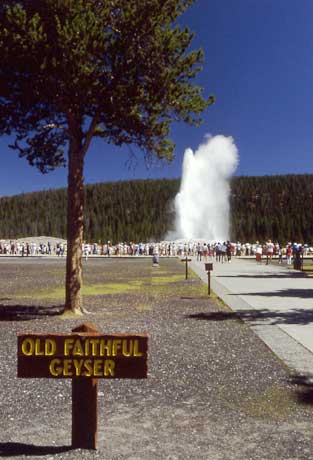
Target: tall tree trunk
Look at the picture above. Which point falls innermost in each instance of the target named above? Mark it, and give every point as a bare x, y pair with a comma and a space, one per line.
75, 218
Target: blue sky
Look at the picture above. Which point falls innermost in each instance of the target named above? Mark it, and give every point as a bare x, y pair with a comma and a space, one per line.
258, 64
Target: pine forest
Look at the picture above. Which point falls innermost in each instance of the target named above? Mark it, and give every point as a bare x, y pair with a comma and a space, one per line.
262, 207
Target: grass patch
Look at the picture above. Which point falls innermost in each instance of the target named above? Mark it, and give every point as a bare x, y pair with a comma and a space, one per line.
166, 279
275, 403
88, 290
161, 282
177, 286
111, 288
307, 268
144, 307
219, 301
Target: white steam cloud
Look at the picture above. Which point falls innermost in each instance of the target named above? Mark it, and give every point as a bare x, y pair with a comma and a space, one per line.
202, 204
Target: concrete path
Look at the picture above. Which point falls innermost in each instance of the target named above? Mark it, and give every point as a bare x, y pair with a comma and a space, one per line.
276, 302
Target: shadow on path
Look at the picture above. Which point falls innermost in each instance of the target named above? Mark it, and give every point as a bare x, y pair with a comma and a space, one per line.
300, 293
304, 388
11, 449
28, 312
293, 316
288, 275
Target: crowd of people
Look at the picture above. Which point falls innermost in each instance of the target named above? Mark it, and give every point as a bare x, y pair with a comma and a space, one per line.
220, 251
22, 248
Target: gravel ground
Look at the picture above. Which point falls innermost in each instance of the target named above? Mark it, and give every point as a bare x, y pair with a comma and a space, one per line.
214, 390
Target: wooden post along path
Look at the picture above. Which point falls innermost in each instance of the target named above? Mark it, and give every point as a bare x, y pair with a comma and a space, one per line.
84, 356
209, 268
186, 260
85, 406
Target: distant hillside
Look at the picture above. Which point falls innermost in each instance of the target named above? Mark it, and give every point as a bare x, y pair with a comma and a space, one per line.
277, 207
116, 211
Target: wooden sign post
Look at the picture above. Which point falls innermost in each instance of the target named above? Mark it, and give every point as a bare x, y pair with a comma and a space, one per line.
186, 260
84, 356
85, 406
209, 268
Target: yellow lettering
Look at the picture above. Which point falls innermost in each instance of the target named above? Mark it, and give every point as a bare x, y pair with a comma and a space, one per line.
109, 367
68, 345
77, 348
38, 350
82, 367
116, 346
78, 364
105, 347
67, 368
136, 349
55, 368
28, 346
50, 347
86, 347
97, 367
127, 348
94, 346
88, 368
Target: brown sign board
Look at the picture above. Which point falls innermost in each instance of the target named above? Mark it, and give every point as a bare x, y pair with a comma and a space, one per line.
82, 355
208, 267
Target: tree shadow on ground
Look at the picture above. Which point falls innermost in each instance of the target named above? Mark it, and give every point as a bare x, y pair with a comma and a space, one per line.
304, 388
300, 293
268, 275
28, 312
199, 297
12, 449
292, 316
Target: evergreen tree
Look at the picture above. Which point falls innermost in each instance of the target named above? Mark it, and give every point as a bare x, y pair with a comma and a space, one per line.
143, 210
73, 70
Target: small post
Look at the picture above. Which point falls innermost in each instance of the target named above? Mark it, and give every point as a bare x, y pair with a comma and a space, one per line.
186, 260
209, 268
209, 283
85, 406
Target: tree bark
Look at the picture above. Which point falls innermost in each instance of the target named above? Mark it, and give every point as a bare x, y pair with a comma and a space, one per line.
75, 221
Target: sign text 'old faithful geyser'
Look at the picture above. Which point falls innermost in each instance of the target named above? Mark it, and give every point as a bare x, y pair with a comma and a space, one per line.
82, 355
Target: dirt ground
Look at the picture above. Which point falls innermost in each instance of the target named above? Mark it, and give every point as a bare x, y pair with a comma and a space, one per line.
214, 390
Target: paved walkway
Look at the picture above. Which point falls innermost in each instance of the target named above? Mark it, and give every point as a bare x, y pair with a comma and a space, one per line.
276, 302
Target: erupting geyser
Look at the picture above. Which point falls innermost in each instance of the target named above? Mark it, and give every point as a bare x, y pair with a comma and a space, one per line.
202, 204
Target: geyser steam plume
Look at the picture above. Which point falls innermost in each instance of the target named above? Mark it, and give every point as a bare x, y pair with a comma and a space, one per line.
202, 204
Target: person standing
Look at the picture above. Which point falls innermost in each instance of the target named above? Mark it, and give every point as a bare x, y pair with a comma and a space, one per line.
218, 252
258, 253
289, 254
280, 255
269, 251
205, 252
223, 251
228, 251
199, 251
86, 251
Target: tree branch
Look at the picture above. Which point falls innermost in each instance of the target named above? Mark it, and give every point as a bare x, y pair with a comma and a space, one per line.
90, 133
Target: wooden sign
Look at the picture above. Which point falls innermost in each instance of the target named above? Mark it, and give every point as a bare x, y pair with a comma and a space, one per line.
208, 267
82, 355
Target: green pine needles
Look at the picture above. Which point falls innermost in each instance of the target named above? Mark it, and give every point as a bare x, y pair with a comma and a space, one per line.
120, 68
70, 71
